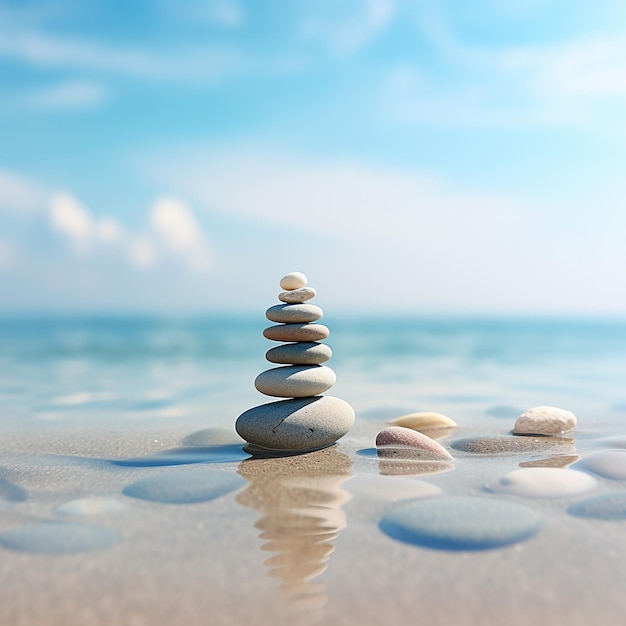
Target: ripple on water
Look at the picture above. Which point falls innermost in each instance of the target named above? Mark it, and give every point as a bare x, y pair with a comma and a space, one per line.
608, 464
609, 506
58, 538
461, 523
184, 487
544, 482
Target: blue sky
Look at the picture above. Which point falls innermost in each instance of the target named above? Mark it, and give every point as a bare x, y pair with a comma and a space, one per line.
411, 157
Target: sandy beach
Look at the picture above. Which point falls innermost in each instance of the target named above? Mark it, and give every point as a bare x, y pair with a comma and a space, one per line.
222, 538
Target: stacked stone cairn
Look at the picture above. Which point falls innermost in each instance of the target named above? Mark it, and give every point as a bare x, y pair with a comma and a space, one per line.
304, 420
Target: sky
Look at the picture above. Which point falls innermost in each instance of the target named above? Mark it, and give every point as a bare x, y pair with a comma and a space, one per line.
410, 157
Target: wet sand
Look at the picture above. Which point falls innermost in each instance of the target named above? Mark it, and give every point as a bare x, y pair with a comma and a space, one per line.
133, 525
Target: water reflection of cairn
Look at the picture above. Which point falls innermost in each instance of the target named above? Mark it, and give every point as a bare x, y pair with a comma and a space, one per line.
300, 500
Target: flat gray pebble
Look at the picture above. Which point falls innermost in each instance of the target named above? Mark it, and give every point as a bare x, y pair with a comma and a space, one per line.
461, 523
184, 487
302, 353
294, 313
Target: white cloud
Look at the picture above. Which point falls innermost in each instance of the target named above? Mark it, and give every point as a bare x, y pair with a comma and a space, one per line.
19, 194
345, 199
346, 27
108, 230
70, 218
177, 228
142, 253
73, 94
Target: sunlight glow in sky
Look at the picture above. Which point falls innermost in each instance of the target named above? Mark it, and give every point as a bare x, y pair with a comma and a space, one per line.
412, 156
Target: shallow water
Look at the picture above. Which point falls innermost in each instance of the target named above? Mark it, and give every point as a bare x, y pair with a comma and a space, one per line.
119, 466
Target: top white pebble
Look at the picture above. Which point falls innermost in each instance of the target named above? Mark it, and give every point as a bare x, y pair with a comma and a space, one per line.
293, 280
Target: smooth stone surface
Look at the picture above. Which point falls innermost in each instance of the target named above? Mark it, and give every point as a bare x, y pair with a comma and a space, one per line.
608, 506
295, 381
505, 445
303, 353
293, 280
296, 424
297, 295
97, 505
408, 443
461, 523
608, 464
544, 482
296, 332
424, 420
545, 420
184, 487
294, 313
58, 538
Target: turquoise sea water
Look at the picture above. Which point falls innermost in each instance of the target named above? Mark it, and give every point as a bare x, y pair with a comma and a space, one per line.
475, 370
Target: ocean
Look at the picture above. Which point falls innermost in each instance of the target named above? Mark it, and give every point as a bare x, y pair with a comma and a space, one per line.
478, 371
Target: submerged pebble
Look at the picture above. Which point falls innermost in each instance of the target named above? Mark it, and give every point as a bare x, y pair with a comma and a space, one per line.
11, 492
505, 445
97, 505
372, 486
544, 482
461, 523
184, 487
424, 420
58, 538
608, 464
545, 420
608, 506
398, 441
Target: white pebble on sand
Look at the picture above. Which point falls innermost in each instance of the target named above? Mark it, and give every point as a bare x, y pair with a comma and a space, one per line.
545, 420
544, 482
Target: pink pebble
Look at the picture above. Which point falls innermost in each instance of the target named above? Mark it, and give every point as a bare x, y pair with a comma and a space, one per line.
398, 438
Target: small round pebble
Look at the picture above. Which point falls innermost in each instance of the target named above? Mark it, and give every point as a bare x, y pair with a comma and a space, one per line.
297, 296
294, 313
424, 420
608, 506
58, 538
608, 464
301, 353
544, 420
296, 332
293, 280
461, 523
295, 381
544, 482
409, 443
184, 487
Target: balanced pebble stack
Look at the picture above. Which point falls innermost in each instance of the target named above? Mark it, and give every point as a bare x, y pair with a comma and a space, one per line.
305, 420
